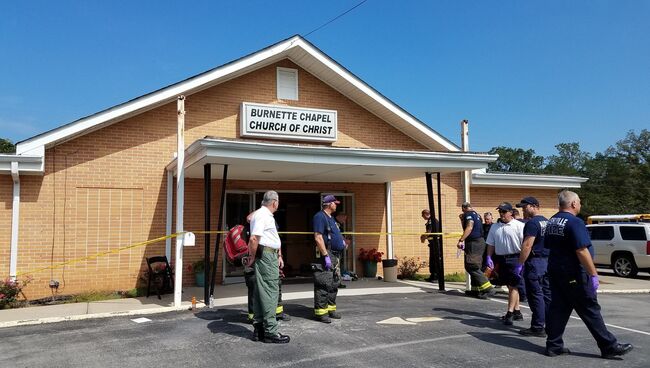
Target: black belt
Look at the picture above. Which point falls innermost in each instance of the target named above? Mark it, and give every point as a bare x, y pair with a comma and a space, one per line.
269, 249
510, 255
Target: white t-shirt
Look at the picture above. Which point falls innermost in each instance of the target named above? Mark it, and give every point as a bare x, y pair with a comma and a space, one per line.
506, 238
263, 225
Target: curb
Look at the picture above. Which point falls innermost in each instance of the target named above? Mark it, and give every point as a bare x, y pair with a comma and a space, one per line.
186, 306
79, 317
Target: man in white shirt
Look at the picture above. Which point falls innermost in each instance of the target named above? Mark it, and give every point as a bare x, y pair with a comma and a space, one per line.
266, 258
504, 240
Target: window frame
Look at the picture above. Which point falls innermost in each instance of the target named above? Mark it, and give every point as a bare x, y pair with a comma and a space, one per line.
279, 71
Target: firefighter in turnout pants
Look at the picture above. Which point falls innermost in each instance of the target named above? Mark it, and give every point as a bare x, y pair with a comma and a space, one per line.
330, 245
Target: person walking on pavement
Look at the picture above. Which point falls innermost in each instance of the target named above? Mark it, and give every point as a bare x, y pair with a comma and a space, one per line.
534, 258
266, 259
429, 228
505, 240
472, 242
574, 281
330, 244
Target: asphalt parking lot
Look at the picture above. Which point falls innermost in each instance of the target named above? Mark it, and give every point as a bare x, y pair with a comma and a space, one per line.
449, 330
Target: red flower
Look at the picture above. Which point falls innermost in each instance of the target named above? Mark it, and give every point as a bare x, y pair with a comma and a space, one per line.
371, 255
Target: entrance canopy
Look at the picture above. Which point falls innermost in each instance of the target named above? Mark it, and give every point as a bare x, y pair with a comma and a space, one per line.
252, 160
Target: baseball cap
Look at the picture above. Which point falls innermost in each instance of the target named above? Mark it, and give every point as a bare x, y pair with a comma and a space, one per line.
505, 206
528, 200
330, 199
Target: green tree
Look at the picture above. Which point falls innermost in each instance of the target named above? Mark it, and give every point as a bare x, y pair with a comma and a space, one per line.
619, 178
570, 160
516, 160
6, 146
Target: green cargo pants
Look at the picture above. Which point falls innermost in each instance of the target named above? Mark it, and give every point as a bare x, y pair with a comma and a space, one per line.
266, 290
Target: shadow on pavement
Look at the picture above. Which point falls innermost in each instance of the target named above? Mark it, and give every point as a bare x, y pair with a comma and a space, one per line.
226, 321
510, 341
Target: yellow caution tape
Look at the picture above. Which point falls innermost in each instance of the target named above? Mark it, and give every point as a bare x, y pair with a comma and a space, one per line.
100, 254
147, 242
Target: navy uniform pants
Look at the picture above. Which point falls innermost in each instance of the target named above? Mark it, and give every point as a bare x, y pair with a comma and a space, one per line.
537, 289
573, 291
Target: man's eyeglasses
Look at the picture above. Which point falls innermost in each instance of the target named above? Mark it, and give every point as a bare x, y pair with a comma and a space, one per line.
502, 211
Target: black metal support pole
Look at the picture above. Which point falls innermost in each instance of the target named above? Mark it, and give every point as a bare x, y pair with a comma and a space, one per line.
218, 240
441, 258
433, 240
207, 185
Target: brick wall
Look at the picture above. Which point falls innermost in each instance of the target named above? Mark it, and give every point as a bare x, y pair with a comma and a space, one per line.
107, 189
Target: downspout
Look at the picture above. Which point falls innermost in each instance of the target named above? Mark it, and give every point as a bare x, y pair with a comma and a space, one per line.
389, 220
15, 221
464, 138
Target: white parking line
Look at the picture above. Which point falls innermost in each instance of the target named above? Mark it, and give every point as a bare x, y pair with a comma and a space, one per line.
578, 318
369, 348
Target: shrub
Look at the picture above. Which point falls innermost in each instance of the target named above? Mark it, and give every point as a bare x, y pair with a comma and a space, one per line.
408, 267
9, 291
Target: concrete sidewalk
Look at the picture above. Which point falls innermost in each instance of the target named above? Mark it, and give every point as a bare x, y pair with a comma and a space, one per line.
236, 294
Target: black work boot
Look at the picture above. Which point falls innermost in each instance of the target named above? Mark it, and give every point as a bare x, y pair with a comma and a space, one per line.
324, 318
557, 352
283, 317
258, 332
276, 339
616, 350
335, 315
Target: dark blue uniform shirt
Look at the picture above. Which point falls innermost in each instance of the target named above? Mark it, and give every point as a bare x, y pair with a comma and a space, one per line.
478, 226
326, 226
564, 234
535, 227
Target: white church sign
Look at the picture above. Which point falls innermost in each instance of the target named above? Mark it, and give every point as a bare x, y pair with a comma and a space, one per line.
284, 122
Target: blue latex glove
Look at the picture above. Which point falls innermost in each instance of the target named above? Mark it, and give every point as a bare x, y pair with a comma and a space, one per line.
328, 262
489, 262
518, 269
594, 282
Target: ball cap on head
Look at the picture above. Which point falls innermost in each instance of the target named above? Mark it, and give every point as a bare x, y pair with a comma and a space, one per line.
505, 206
528, 200
330, 199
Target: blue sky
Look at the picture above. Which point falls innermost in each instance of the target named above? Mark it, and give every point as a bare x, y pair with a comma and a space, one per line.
528, 74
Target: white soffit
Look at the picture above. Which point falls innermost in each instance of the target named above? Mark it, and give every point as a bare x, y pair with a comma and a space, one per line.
507, 180
297, 49
282, 162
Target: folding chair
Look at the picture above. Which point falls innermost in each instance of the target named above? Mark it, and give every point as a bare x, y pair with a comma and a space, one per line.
160, 273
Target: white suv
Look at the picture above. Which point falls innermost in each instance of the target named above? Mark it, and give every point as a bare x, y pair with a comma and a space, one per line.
624, 246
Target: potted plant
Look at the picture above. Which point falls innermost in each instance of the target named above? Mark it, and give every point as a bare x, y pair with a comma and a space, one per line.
198, 268
369, 259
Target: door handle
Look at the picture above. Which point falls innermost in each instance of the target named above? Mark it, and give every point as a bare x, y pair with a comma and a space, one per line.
611, 244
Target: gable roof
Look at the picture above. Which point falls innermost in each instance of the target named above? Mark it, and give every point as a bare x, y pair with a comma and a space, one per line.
299, 51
